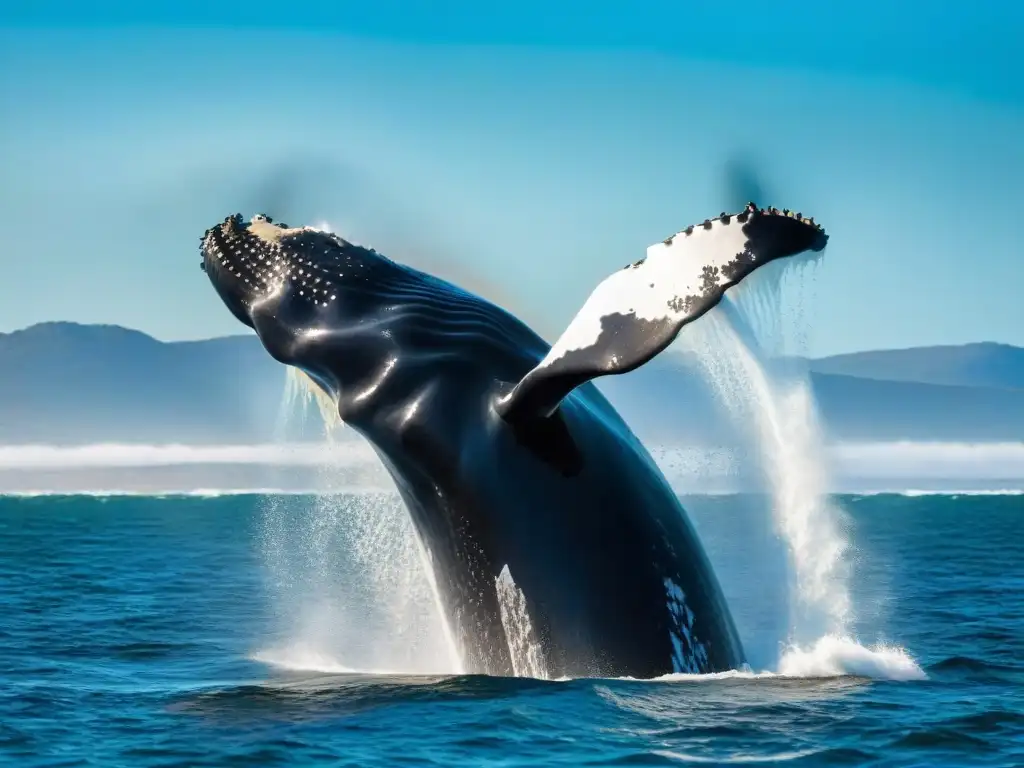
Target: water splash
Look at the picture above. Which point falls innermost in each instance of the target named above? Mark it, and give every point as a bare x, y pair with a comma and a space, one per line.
347, 574
828, 656
738, 347
301, 392
833, 655
778, 414
525, 651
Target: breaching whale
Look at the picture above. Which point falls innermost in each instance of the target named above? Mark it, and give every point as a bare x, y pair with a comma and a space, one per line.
516, 471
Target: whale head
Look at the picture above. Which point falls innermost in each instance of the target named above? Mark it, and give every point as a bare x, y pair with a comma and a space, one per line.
250, 263
314, 299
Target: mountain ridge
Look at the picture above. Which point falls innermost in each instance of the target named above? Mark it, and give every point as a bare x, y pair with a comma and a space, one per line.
64, 382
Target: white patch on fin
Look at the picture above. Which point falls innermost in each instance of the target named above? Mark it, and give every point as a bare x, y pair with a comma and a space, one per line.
656, 288
635, 313
669, 271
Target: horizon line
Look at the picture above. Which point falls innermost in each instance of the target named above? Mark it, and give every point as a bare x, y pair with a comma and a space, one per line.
243, 334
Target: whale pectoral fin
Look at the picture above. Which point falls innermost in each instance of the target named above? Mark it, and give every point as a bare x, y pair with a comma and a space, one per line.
638, 311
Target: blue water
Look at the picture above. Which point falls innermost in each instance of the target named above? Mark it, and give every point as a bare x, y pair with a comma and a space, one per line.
129, 628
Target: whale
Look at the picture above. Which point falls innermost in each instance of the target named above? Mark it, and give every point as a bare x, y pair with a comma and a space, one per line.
558, 547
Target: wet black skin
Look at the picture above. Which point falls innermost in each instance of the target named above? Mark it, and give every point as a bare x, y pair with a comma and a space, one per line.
573, 504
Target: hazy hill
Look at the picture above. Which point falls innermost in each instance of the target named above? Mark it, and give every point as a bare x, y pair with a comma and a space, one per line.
69, 383
972, 365
664, 399
62, 382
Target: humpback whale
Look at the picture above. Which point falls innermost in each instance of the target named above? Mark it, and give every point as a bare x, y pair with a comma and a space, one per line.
517, 473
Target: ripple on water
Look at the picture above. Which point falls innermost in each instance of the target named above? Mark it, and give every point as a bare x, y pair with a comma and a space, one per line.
128, 629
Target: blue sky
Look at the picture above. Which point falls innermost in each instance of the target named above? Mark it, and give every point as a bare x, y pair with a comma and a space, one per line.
524, 151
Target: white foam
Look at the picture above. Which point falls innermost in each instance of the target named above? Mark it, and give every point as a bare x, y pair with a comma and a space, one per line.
834, 656
828, 656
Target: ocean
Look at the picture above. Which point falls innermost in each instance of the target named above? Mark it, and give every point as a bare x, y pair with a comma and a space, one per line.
248, 629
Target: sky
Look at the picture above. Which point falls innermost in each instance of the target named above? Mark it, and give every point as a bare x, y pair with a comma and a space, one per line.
522, 150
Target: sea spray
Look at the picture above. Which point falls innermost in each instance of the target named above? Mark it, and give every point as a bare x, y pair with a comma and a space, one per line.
773, 403
347, 573
524, 650
300, 392
779, 413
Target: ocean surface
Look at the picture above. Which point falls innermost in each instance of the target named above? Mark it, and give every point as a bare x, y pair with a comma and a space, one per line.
227, 630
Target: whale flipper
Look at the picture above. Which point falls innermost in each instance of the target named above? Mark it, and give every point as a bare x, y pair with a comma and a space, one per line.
638, 311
